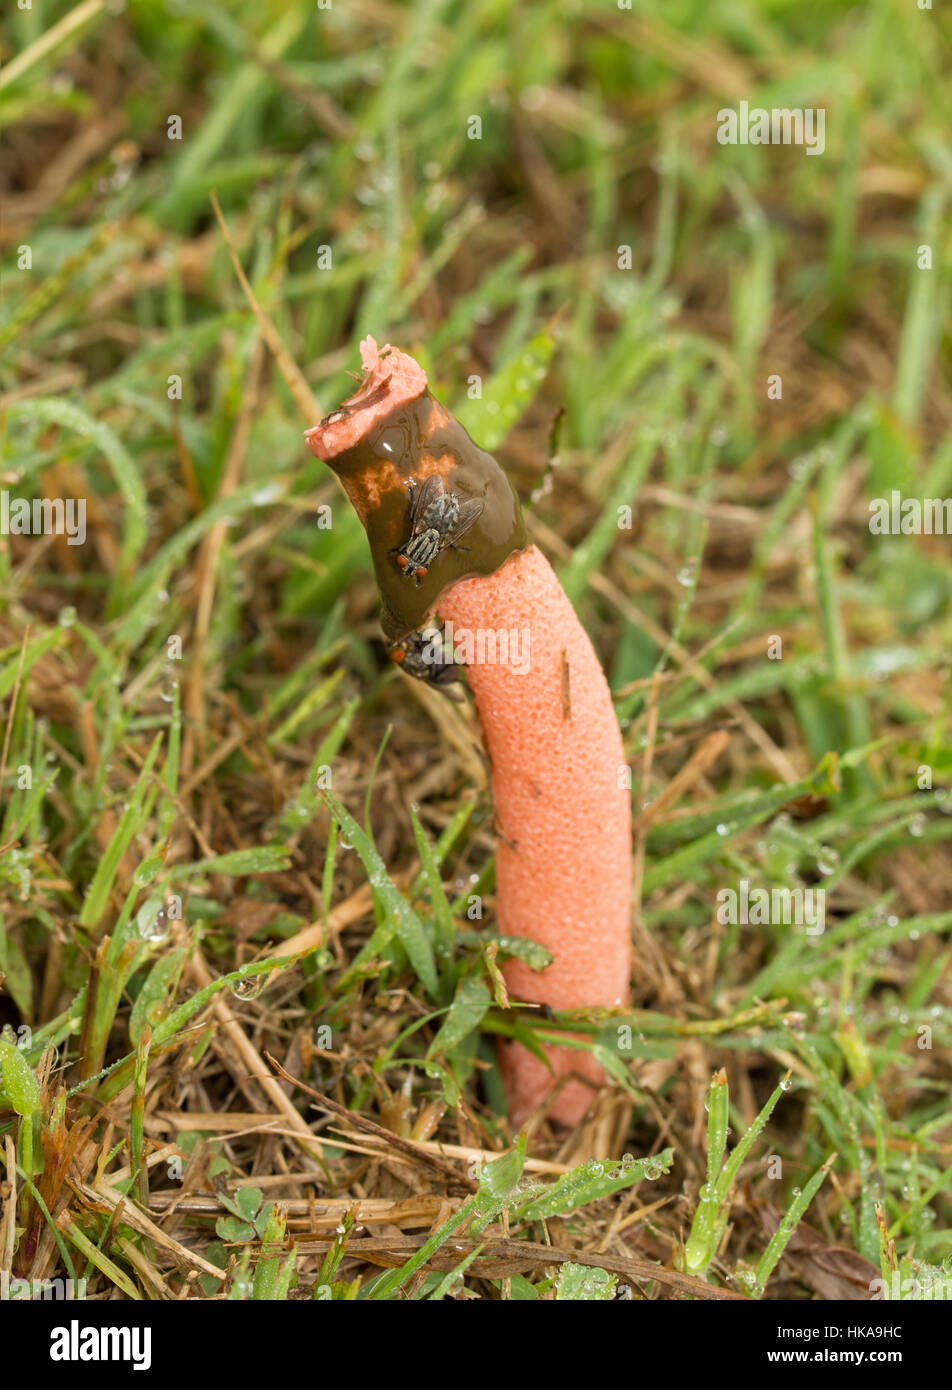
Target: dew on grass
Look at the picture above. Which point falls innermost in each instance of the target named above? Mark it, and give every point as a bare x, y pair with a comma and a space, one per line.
827, 860
152, 923
249, 987
747, 1280
146, 872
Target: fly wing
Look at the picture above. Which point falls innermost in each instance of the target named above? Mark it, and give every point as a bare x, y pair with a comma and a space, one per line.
422, 496
469, 513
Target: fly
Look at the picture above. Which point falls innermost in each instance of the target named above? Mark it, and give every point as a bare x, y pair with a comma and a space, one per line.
416, 654
438, 519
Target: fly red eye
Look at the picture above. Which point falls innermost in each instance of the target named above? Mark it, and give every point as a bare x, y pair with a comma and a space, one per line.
398, 655
402, 561
421, 569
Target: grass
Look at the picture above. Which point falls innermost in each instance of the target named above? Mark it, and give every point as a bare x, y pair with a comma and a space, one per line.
248, 994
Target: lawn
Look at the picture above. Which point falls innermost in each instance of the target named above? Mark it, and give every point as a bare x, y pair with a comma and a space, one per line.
233, 834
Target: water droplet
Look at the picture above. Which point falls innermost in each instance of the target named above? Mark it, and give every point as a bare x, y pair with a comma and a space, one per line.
749, 1283
67, 616
917, 826
721, 829
153, 923
827, 860
249, 987
146, 872
686, 576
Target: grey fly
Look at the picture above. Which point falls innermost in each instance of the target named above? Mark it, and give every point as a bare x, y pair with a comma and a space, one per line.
438, 519
414, 654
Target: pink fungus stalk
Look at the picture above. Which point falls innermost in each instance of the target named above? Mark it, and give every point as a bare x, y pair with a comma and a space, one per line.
563, 865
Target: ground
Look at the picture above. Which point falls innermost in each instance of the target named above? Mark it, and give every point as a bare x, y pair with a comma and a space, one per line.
751, 346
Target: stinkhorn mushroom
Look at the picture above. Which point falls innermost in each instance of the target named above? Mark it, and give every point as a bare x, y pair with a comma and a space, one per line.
447, 537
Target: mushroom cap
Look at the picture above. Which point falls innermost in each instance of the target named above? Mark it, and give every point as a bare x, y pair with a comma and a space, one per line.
391, 380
